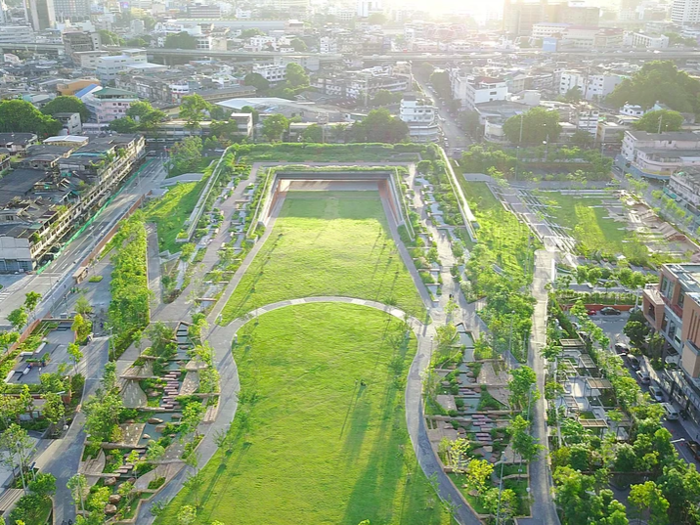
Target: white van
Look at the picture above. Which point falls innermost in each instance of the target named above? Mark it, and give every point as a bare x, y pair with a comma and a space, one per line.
670, 411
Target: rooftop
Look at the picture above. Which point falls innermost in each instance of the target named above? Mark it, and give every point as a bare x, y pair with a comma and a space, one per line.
667, 135
18, 183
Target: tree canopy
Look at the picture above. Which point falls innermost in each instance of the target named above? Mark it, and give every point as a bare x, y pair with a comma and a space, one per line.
64, 104
194, 109
259, 82
661, 119
380, 126
440, 80
538, 125
274, 126
658, 81
296, 75
181, 40
19, 116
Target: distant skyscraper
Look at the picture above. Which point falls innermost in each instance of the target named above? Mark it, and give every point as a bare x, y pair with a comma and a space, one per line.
368, 7
72, 9
43, 14
685, 12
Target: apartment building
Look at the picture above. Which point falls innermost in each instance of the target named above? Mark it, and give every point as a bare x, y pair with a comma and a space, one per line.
110, 66
362, 84
39, 208
672, 309
685, 186
271, 72
659, 155
647, 41
471, 90
420, 116
108, 104
685, 12
591, 86
89, 59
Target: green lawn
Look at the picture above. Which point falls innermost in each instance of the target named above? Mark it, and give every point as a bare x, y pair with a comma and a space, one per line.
327, 243
310, 443
585, 220
172, 210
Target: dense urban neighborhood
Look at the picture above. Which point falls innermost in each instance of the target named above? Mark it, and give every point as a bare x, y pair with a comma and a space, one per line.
357, 262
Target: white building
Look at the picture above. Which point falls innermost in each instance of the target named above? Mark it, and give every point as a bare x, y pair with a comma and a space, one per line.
686, 185
659, 155
327, 44
471, 90
90, 59
548, 29
421, 118
16, 34
685, 12
646, 41
590, 86
271, 72
366, 8
107, 104
108, 67
632, 110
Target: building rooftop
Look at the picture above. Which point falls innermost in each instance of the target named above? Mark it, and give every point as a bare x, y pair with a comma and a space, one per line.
16, 138
688, 275
18, 183
667, 135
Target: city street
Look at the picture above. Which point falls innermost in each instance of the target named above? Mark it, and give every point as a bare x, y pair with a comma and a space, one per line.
57, 278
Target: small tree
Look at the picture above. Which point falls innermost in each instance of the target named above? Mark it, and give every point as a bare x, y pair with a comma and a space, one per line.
15, 445
521, 386
80, 327
83, 306
78, 487
53, 410
523, 443
478, 473
18, 318
274, 126
31, 300
75, 355
187, 515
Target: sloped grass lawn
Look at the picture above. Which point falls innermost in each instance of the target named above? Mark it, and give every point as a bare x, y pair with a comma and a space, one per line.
327, 243
310, 443
172, 210
585, 219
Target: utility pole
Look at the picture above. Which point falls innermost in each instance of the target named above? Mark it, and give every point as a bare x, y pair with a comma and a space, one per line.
661, 118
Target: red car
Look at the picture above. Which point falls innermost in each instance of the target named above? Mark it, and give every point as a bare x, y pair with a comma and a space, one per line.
592, 312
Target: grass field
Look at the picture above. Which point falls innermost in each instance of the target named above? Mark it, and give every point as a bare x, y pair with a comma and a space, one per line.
310, 444
172, 210
585, 220
327, 243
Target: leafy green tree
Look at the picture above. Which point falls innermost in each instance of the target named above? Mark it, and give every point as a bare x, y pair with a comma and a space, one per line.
383, 97
581, 138
43, 484
124, 125
478, 473
661, 119
194, 109
75, 355
274, 126
67, 104
7, 339
256, 80
252, 111
538, 125
299, 45
226, 129
83, 306
296, 75
650, 501
503, 502
31, 300
145, 115
248, 33
185, 156
380, 126
53, 410
637, 332
312, 134
440, 79
181, 40
108, 38
658, 81
18, 317
15, 446
521, 386
78, 487
102, 415
523, 443
19, 116
81, 327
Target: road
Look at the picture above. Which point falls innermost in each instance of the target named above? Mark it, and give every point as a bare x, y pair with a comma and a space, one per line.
457, 139
57, 278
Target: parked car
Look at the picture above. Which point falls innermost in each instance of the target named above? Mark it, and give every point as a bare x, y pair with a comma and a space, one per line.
609, 310
656, 393
633, 361
644, 377
694, 448
670, 412
592, 312
622, 348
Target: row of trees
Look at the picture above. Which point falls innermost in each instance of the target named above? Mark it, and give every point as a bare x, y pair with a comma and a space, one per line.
20, 116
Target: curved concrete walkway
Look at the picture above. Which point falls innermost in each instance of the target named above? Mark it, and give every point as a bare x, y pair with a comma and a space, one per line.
223, 336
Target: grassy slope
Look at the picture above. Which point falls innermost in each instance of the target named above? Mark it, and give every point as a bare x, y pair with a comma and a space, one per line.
499, 229
589, 225
327, 243
172, 210
317, 447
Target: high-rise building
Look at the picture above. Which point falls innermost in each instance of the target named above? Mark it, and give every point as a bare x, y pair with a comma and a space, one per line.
368, 7
685, 12
42, 13
72, 9
518, 18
